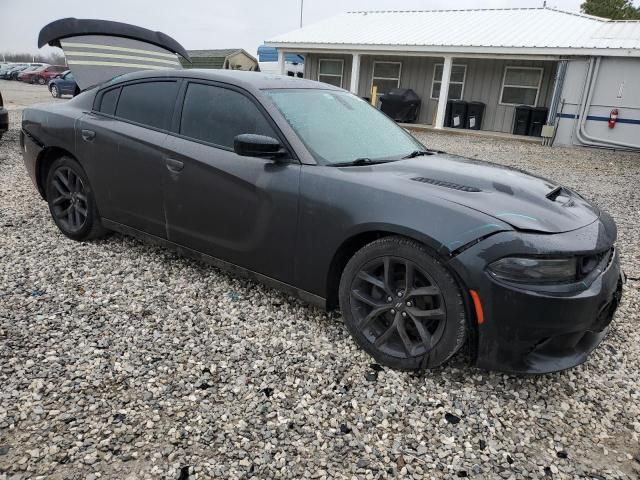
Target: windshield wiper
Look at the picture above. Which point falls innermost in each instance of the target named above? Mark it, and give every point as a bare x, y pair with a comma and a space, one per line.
417, 153
360, 161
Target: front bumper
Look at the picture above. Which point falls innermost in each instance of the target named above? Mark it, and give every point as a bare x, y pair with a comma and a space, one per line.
527, 331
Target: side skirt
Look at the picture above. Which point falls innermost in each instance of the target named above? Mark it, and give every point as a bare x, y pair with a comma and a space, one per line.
216, 262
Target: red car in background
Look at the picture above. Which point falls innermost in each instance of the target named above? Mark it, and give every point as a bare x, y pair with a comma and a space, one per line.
41, 75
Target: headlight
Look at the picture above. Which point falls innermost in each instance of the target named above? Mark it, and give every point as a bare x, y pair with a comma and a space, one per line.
535, 270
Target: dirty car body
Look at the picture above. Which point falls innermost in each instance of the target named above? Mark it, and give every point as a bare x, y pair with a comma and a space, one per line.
293, 221
4, 117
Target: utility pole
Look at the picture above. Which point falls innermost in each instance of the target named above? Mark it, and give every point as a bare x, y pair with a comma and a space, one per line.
301, 7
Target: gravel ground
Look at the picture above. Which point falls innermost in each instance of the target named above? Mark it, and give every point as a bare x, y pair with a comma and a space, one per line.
17, 95
122, 360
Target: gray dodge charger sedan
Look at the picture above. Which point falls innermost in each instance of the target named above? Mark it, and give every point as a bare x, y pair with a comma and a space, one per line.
310, 189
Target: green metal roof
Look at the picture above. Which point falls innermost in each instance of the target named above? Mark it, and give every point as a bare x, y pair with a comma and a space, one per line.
210, 58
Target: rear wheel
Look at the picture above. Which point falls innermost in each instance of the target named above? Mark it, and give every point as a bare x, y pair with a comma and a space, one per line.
41, 81
71, 201
401, 305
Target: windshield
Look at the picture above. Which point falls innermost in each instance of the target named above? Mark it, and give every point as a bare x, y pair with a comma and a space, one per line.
339, 127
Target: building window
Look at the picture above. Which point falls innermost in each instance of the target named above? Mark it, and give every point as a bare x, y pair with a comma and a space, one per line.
386, 76
521, 86
330, 71
456, 82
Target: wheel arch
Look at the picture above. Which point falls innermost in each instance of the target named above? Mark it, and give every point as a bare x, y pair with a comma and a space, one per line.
358, 239
45, 159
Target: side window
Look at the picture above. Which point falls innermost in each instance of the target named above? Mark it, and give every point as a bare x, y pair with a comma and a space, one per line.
148, 103
68, 76
109, 100
216, 115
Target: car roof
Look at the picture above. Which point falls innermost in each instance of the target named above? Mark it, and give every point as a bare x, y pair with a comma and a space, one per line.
241, 78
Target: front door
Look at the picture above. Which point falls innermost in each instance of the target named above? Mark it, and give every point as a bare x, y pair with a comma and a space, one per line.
242, 210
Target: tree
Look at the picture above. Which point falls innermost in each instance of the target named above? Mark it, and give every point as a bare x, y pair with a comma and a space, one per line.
53, 58
613, 9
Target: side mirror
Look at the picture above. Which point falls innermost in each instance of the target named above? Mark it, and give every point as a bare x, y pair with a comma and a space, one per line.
58, 76
251, 145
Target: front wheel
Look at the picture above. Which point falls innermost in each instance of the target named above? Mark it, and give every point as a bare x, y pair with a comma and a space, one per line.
41, 81
71, 201
55, 93
401, 305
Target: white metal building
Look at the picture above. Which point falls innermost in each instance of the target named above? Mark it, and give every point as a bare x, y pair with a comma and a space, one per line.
577, 66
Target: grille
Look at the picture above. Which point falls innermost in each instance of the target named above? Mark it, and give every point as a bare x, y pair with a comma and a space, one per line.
442, 183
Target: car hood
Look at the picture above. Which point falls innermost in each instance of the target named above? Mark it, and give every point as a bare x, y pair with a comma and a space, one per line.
523, 200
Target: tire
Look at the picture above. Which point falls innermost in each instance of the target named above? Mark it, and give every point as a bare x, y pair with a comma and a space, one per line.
71, 201
55, 93
421, 326
41, 81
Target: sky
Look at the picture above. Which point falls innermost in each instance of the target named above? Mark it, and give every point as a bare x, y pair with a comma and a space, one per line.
202, 24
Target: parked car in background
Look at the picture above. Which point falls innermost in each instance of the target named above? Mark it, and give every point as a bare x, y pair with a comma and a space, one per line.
63, 84
28, 71
6, 74
4, 117
41, 75
5, 67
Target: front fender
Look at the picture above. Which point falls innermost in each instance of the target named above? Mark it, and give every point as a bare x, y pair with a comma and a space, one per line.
333, 211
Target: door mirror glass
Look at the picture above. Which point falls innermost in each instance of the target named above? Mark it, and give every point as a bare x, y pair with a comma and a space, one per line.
252, 145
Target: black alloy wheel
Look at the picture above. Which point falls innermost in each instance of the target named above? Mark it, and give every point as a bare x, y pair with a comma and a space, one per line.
71, 201
401, 305
398, 307
70, 205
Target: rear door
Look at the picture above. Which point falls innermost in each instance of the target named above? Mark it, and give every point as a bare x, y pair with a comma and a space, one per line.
121, 147
240, 209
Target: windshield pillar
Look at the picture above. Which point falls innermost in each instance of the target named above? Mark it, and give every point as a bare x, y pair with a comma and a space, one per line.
444, 92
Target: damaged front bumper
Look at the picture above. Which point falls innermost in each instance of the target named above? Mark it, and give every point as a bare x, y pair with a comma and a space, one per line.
530, 330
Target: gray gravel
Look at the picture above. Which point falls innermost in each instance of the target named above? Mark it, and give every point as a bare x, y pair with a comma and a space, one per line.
122, 360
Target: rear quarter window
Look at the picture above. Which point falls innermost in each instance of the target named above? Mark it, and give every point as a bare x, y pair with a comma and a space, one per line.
148, 103
109, 101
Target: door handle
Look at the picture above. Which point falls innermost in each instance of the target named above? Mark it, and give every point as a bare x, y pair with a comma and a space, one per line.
174, 166
88, 135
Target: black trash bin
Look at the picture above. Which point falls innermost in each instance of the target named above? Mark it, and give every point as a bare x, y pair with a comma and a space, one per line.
538, 119
447, 113
475, 112
458, 114
401, 104
522, 120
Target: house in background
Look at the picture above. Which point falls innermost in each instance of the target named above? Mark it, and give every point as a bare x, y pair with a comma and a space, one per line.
577, 70
230, 59
268, 62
